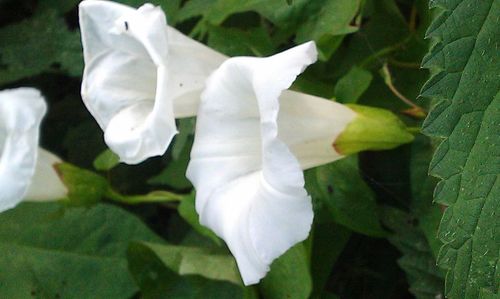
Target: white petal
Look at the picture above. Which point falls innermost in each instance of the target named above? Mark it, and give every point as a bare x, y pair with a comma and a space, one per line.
21, 112
309, 125
250, 187
46, 185
136, 68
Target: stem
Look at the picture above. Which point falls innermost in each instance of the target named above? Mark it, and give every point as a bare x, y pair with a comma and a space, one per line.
386, 74
404, 64
412, 24
153, 197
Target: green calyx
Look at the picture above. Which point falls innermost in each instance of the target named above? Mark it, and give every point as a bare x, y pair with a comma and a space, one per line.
372, 129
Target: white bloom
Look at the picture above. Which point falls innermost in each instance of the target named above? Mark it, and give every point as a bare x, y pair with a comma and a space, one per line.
139, 73
248, 155
26, 171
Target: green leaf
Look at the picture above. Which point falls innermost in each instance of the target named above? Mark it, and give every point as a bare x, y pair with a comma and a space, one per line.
51, 252
157, 280
328, 241
351, 86
422, 186
106, 160
466, 61
174, 174
289, 277
188, 212
42, 43
330, 19
237, 42
424, 277
186, 260
61, 6
350, 201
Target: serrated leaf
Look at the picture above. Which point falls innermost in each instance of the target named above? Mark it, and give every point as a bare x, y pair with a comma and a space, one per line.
52, 252
42, 43
467, 115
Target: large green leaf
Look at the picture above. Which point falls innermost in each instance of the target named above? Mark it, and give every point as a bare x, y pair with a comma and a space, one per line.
466, 60
157, 270
42, 43
289, 277
51, 252
343, 192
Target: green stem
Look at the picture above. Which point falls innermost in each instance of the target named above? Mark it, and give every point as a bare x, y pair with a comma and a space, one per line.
153, 197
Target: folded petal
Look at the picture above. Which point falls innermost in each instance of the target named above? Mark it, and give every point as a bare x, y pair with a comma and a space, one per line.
21, 112
250, 187
137, 69
46, 185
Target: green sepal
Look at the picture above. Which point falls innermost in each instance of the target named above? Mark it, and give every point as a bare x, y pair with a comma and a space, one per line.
372, 129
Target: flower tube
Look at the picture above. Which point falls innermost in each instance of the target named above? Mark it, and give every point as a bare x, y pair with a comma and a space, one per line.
26, 172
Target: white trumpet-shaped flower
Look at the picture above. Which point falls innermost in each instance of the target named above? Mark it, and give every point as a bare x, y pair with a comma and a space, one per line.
139, 75
248, 155
26, 172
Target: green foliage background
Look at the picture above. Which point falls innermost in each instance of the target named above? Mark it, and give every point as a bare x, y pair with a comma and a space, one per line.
375, 229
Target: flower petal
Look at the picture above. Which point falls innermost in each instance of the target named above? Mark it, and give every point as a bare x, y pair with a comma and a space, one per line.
46, 185
137, 71
21, 112
250, 187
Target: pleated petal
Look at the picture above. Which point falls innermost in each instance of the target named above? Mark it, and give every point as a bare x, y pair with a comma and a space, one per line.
250, 187
137, 71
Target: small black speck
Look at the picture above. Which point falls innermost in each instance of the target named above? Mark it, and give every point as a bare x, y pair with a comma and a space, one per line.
126, 25
330, 189
180, 84
33, 293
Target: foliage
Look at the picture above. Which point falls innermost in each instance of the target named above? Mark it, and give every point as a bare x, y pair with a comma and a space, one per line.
467, 160
133, 232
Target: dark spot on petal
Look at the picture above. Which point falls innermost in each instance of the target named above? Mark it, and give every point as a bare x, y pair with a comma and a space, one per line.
126, 25
180, 84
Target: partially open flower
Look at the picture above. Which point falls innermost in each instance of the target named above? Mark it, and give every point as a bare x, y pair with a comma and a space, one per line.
139, 73
26, 171
248, 155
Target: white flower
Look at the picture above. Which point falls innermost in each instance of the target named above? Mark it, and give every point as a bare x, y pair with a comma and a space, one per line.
248, 155
138, 74
26, 171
